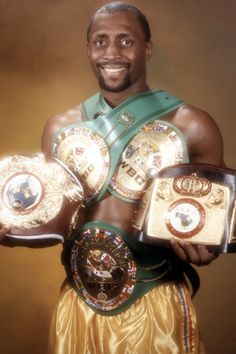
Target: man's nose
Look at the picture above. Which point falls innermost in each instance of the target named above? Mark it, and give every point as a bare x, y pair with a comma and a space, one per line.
113, 51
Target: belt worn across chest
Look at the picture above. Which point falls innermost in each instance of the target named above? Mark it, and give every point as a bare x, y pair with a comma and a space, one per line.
102, 266
109, 133
121, 123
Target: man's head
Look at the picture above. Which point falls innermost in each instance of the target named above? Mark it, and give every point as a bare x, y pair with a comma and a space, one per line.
119, 6
118, 47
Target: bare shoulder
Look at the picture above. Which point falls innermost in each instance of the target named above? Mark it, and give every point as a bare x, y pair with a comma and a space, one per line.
203, 137
57, 122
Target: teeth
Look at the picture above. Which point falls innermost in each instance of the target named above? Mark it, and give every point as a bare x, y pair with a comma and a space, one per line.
114, 70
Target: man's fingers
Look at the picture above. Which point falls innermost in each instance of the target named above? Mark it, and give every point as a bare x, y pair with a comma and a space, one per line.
206, 257
196, 254
177, 247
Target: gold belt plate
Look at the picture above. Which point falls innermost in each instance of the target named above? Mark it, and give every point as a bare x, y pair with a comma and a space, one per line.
86, 153
185, 207
157, 145
103, 269
32, 191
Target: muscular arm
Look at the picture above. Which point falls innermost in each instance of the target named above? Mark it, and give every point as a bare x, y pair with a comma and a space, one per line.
204, 142
203, 137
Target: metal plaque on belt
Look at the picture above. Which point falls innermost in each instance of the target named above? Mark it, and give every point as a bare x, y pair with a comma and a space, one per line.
157, 145
35, 194
86, 153
103, 269
195, 202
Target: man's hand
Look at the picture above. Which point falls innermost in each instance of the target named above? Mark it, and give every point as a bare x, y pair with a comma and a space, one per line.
196, 254
3, 231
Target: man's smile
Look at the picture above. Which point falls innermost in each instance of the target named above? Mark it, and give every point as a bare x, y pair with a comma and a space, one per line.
113, 70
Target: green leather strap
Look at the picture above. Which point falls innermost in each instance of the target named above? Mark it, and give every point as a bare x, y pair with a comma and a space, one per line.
142, 108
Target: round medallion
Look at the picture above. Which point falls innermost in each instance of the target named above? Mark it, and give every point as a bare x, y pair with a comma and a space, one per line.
22, 192
86, 154
33, 191
103, 269
185, 218
156, 146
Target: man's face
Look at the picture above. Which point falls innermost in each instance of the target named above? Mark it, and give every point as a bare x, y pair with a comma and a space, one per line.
118, 51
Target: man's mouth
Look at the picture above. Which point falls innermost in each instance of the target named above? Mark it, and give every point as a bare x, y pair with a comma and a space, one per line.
113, 76
115, 69
112, 69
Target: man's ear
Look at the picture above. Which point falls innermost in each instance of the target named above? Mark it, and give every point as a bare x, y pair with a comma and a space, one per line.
148, 50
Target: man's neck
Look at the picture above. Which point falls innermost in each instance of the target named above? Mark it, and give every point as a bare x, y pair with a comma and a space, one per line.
115, 98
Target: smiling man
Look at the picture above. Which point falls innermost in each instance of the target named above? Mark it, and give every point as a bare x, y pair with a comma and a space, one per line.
121, 295
107, 45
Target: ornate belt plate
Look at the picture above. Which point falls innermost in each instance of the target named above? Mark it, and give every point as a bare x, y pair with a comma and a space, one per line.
103, 269
192, 201
85, 152
34, 192
157, 145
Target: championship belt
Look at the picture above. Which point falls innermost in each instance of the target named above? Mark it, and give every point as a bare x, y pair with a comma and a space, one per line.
194, 202
86, 154
92, 149
39, 199
156, 146
103, 268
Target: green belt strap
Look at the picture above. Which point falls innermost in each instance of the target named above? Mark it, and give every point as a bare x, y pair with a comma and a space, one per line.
142, 108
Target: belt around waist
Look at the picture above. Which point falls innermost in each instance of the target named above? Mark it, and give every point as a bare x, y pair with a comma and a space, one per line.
103, 270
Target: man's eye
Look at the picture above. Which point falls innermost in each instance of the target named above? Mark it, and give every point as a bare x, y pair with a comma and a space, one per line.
100, 43
126, 42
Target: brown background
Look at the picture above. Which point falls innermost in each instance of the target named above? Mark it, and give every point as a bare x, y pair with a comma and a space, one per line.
44, 71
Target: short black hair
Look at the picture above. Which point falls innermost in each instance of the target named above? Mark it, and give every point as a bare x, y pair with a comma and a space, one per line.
118, 6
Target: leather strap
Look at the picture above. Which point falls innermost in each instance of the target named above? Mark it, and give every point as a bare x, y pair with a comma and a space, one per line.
120, 124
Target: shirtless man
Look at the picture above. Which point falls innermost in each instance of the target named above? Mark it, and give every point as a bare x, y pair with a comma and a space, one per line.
153, 319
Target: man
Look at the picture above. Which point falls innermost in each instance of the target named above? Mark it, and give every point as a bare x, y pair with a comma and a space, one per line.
133, 297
